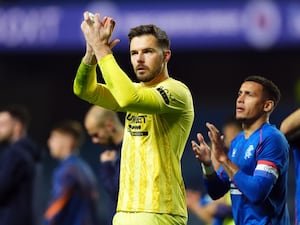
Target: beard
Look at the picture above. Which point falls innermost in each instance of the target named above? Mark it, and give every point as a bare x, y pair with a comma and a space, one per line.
149, 75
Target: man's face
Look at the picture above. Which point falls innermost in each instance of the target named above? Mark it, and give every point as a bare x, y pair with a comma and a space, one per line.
99, 134
147, 58
7, 124
250, 102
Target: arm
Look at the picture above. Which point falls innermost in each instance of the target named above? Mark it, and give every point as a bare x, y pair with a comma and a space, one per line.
207, 212
219, 151
110, 172
61, 193
217, 185
290, 126
86, 87
117, 86
291, 122
85, 84
203, 212
255, 187
13, 170
130, 96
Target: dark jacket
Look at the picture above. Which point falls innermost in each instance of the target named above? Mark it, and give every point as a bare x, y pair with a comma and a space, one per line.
17, 178
110, 175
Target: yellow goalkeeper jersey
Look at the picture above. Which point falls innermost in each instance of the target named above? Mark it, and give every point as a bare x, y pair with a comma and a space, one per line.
157, 126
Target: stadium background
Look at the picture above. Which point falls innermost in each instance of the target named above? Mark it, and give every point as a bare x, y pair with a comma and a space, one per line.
212, 51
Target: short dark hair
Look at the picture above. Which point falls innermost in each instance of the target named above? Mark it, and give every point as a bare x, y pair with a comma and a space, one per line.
18, 112
71, 127
269, 87
161, 36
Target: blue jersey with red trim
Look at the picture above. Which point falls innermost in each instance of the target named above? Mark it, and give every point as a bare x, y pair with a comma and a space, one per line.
259, 188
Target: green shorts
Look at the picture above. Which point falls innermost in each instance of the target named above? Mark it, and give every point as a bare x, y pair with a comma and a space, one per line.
138, 218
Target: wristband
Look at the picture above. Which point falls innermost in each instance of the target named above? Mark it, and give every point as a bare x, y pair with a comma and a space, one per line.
207, 170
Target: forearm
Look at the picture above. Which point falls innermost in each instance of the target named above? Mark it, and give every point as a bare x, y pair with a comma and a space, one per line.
255, 188
230, 168
86, 87
101, 50
216, 187
205, 213
89, 59
291, 123
85, 81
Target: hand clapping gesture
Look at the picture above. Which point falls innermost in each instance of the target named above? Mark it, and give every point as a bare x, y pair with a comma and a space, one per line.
97, 34
203, 152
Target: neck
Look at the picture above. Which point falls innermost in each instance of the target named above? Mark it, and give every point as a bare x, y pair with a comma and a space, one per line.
250, 127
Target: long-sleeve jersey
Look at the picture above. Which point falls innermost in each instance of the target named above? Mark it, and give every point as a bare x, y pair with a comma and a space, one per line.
74, 197
259, 188
157, 125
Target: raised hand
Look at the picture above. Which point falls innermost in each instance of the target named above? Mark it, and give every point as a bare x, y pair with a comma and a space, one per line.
97, 34
217, 143
202, 150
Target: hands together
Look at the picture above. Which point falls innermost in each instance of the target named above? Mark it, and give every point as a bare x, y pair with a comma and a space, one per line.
203, 152
108, 155
97, 34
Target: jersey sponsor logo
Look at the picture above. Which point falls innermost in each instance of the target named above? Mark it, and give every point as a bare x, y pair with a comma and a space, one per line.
163, 94
136, 118
266, 169
135, 126
139, 133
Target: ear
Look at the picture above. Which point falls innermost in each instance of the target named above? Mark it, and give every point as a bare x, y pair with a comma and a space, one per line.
269, 106
18, 128
109, 125
167, 55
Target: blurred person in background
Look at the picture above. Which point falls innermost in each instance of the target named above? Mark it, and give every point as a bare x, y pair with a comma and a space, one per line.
75, 195
290, 126
256, 168
18, 160
215, 212
106, 129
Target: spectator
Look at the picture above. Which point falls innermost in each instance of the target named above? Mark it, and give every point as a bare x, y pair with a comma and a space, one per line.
18, 160
74, 198
106, 129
